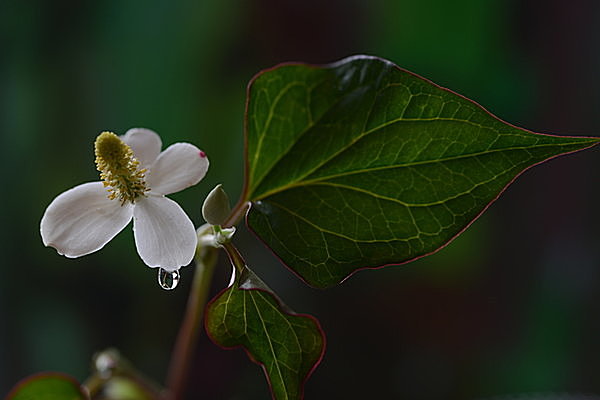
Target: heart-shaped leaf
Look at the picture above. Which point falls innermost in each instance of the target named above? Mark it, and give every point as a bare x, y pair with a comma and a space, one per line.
360, 164
287, 345
47, 386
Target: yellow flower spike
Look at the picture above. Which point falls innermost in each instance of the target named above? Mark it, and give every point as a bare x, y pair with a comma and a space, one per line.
119, 168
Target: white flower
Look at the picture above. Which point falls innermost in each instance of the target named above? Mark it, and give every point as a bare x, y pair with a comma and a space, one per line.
83, 219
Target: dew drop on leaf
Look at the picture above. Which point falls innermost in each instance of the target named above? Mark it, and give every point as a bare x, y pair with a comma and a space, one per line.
168, 280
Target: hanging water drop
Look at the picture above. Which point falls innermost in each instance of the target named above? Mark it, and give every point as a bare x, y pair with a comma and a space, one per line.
168, 280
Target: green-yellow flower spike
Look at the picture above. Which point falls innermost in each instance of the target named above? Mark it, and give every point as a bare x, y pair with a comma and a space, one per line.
118, 168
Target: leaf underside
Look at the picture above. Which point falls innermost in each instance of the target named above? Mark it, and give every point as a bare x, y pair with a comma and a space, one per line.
361, 164
287, 345
47, 386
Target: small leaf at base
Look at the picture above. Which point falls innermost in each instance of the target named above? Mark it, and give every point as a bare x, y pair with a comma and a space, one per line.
287, 345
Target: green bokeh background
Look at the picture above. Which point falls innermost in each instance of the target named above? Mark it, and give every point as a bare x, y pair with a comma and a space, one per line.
509, 307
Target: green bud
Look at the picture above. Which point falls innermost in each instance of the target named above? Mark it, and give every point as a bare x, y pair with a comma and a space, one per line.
216, 209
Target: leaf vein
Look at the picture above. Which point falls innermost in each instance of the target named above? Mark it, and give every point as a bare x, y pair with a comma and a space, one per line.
262, 321
301, 182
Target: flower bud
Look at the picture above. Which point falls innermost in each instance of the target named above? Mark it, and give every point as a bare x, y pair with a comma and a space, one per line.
216, 209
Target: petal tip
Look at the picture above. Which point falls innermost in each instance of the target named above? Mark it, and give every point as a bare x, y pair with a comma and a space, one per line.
66, 252
52, 245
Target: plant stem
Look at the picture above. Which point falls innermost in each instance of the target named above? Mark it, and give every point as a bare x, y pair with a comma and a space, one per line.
93, 385
189, 331
237, 214
235, 257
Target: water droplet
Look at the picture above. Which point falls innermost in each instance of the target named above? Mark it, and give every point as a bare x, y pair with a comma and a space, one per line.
168, 280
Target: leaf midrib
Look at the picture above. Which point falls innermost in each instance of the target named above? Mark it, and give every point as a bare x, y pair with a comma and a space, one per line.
283, 383
301, 182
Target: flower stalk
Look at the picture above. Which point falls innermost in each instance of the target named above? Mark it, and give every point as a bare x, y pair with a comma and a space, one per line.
183, 353
237, 214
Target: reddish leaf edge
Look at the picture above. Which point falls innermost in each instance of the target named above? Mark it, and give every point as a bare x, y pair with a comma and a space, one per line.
282, 307
243, 201
46, 374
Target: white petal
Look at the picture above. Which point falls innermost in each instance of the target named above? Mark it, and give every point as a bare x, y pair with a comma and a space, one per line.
83, 219
146, 145
164, 235
180, 166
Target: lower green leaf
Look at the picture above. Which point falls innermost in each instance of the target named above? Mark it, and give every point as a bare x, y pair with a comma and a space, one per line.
287, 345
47, 386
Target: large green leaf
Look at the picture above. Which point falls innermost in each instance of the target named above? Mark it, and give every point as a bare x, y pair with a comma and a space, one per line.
288, 345
361, 164
47, 386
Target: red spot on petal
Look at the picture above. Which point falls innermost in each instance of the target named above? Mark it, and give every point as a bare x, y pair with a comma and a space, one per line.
202, 154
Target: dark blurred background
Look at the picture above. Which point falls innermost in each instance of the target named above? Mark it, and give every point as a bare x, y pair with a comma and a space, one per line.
510, 307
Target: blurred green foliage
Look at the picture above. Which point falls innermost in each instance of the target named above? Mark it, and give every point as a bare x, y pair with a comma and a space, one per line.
506, 308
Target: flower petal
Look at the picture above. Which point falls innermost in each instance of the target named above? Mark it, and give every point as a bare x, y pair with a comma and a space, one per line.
180, 166
146, 145
83, 219
164, 235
